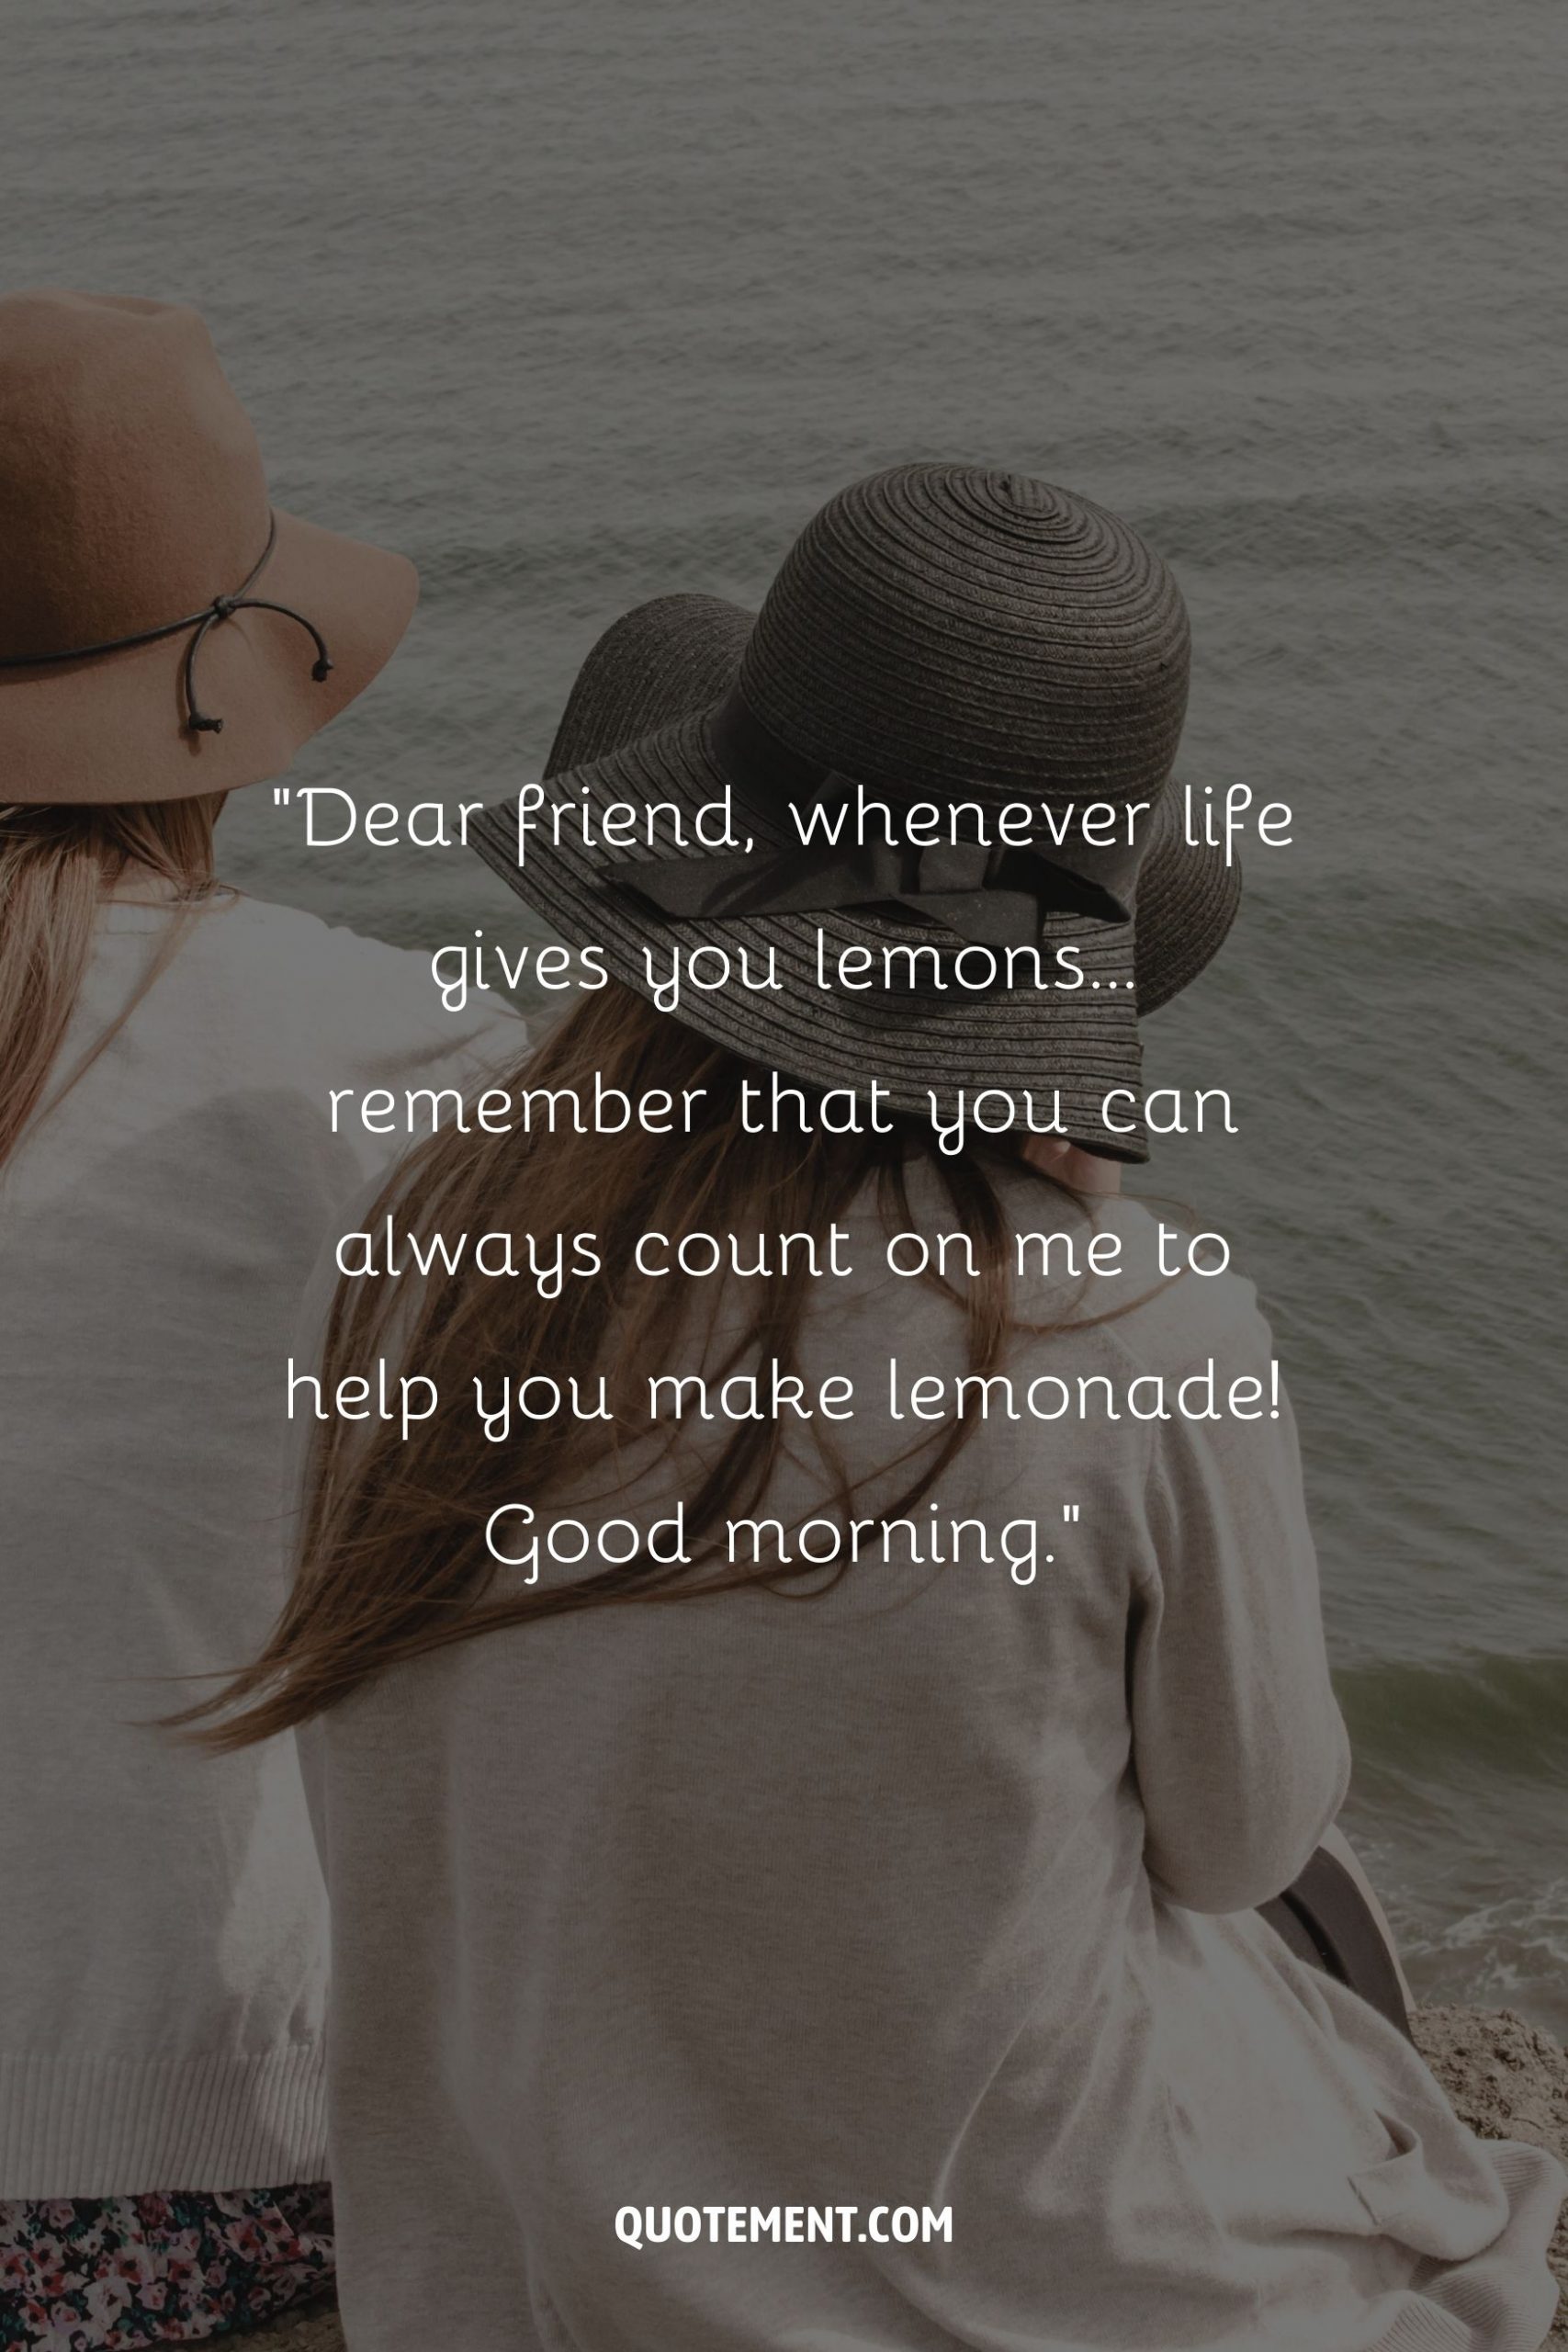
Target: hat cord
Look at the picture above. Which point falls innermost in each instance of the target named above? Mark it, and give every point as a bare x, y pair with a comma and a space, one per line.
198, 721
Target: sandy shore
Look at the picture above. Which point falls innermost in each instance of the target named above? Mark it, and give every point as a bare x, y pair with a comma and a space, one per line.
1509, 2082
317, 2332
1506, 2080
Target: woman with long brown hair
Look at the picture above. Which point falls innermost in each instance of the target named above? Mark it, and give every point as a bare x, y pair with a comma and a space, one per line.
798, 1736
168, 1171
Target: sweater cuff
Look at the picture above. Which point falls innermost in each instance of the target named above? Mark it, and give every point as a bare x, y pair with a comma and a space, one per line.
117, 2126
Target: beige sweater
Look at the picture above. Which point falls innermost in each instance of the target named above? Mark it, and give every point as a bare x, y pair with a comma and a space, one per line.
933, 1893
163, 1943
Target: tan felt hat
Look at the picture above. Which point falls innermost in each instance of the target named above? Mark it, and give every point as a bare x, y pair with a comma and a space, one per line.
163, 630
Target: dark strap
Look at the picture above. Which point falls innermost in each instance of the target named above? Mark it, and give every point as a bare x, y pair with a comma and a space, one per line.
989, 894
1326, 1920
198, 721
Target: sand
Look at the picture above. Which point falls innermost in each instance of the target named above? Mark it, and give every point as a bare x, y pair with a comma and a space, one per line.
1508, 2082
318, 2331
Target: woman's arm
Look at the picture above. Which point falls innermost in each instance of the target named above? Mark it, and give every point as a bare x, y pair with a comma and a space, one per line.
1237, 1741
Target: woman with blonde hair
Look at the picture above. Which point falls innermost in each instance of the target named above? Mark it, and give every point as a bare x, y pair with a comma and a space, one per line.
169, 1169
796, 1815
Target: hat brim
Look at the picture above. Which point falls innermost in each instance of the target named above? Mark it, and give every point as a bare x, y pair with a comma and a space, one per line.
1187, 897
676, 655
113, 727
933, 1053
671, 661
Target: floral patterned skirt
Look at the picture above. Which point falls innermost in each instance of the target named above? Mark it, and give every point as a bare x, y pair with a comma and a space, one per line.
112, 2274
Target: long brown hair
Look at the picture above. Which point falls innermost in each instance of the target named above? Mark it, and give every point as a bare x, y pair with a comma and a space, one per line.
394, 1559
56, 862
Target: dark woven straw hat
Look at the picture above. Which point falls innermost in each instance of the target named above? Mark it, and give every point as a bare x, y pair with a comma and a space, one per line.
986, 656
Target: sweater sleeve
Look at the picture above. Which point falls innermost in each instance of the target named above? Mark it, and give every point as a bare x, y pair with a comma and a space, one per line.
1238, 1745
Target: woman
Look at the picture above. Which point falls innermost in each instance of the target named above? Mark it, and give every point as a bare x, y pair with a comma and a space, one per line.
168, 1171
794, 1863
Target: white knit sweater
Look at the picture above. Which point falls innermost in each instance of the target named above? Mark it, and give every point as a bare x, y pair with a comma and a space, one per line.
163, 1944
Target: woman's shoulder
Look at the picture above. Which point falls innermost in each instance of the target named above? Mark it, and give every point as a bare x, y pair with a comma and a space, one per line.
1190, 1296
1143, 1276
304, 1028
295, 951
305, 985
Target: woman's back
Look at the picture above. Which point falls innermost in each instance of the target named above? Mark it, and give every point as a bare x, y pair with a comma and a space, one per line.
665, 1915
761, 1901
161, 1972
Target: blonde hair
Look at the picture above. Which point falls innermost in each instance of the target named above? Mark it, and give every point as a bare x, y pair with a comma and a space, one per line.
56, 863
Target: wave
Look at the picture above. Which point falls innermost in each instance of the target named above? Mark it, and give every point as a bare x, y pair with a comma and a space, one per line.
1456, 1809
1506, 1716
1512, 1952
1499, 524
